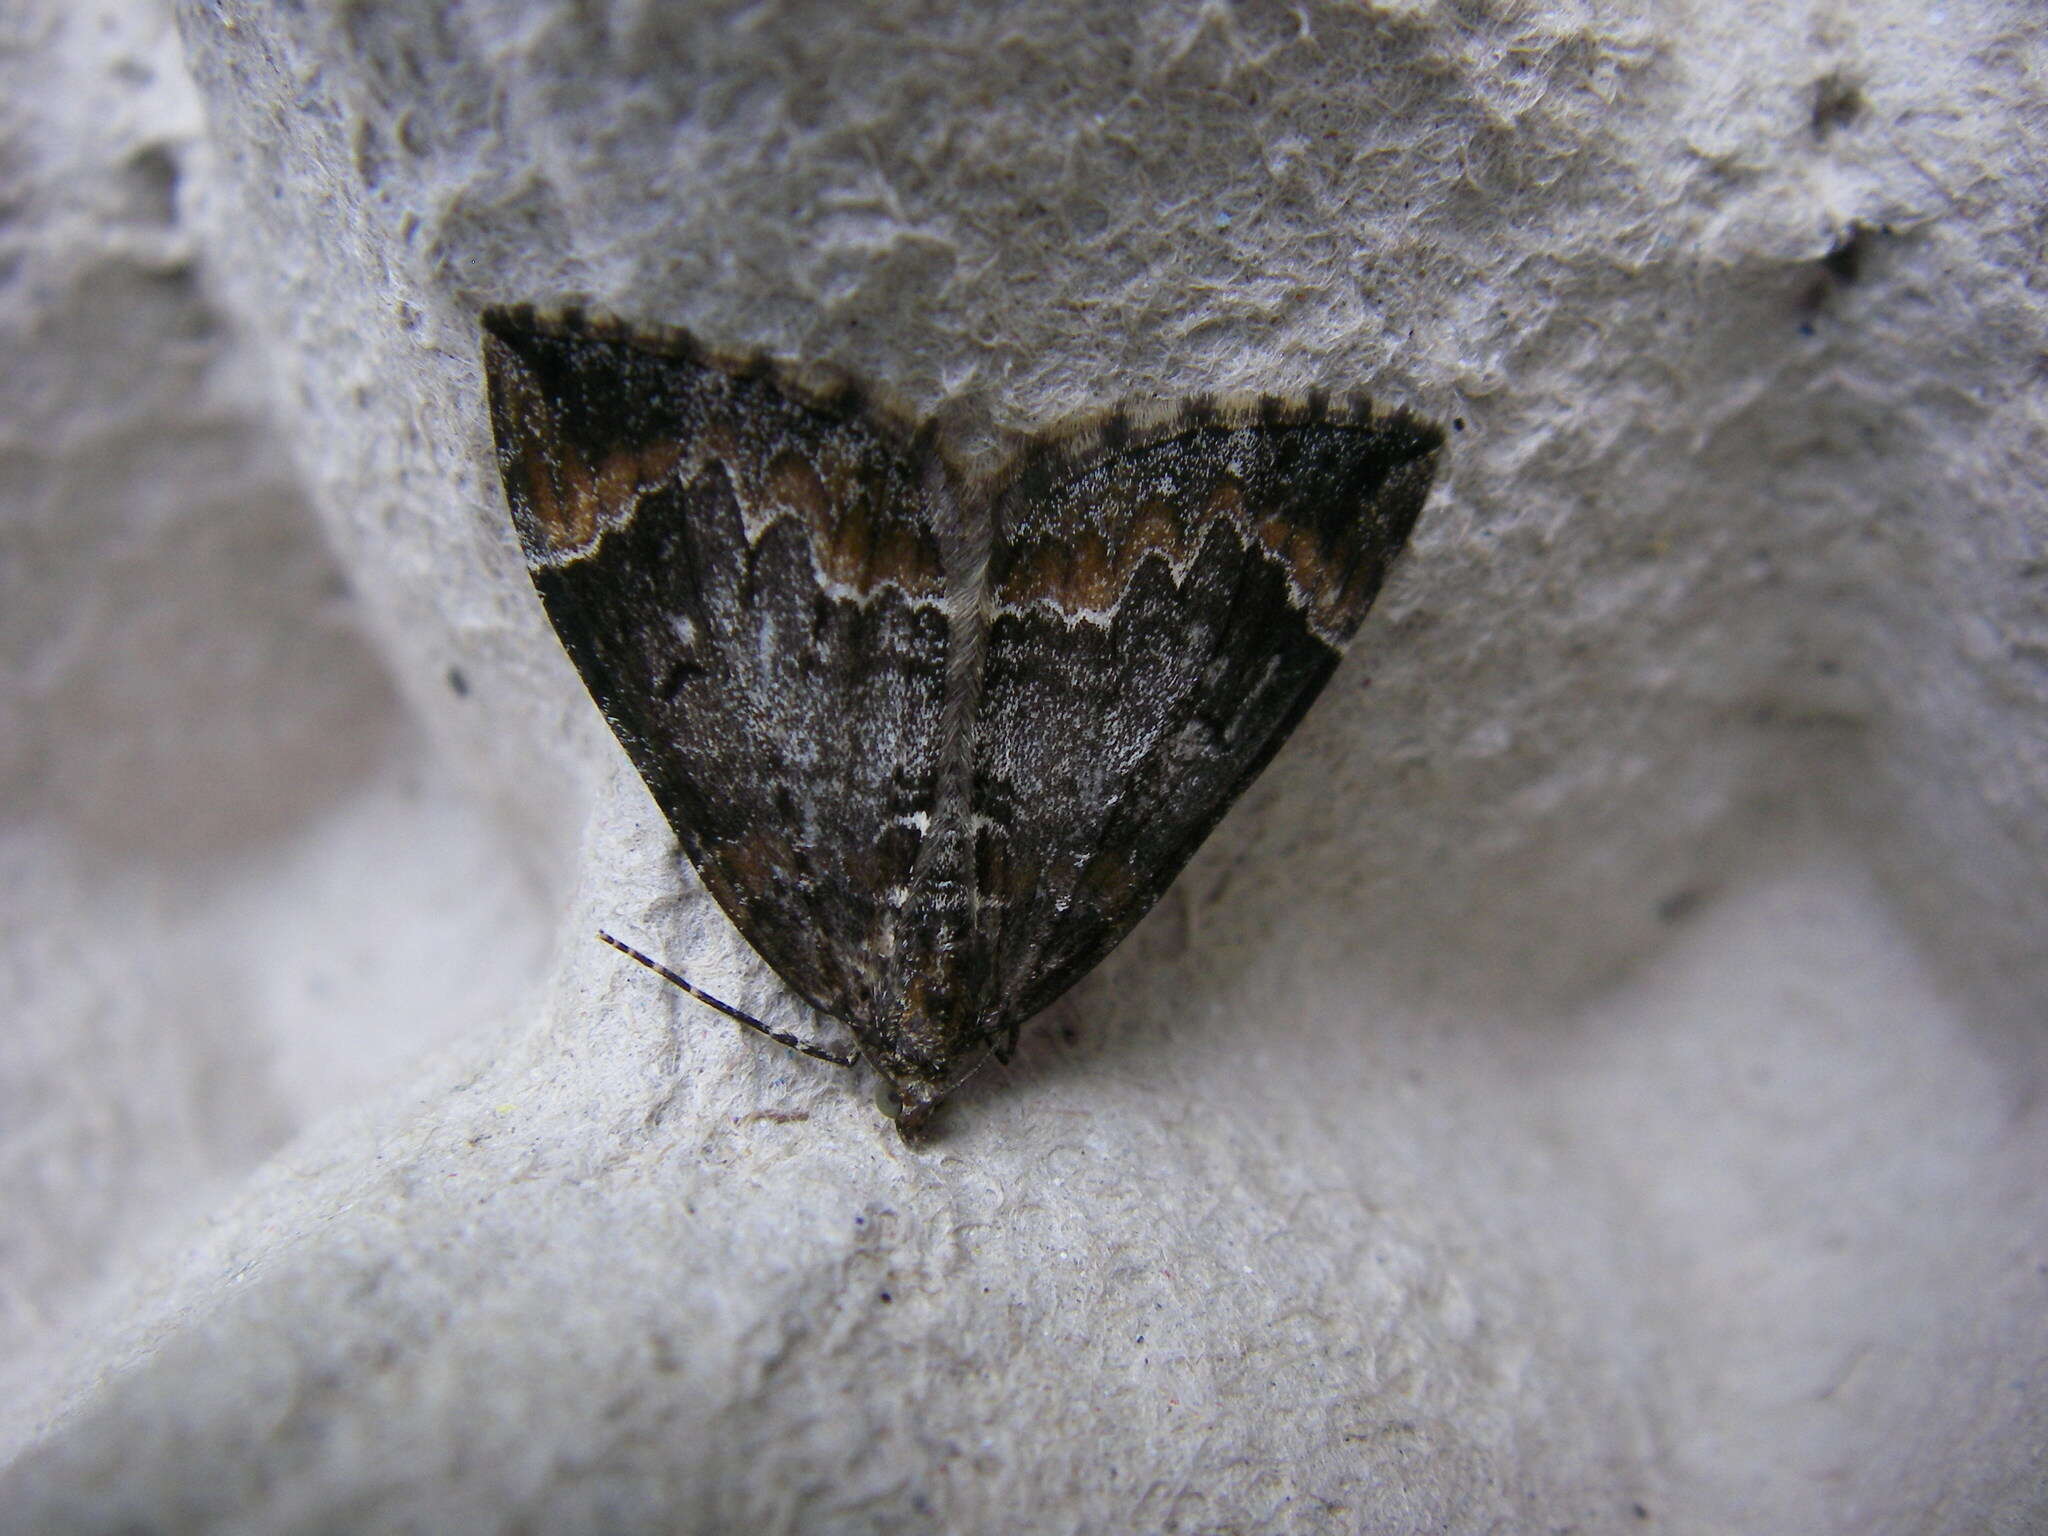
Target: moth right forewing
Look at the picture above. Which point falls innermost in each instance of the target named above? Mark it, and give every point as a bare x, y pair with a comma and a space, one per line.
1166, 601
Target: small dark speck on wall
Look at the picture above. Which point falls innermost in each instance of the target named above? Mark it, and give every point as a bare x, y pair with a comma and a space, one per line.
1837, 102
1680, 904
1840, 267
1844, 260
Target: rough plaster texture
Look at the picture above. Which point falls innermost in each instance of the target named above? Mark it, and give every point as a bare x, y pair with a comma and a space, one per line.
1591, 1083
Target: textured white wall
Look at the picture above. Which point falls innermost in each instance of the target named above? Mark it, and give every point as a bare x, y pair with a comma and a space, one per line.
1590, 1082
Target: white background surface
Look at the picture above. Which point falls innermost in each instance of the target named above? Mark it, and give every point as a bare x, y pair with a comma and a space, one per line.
1591, 1082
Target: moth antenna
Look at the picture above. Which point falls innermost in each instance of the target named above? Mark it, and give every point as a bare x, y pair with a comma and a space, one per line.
803, 1047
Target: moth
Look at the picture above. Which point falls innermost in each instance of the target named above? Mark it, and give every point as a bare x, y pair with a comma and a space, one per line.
934, 739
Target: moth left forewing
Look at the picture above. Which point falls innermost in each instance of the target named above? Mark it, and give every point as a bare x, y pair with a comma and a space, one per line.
1167, 597
745, 570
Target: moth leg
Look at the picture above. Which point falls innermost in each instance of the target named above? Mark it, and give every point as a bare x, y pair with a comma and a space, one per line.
1008, 1048
804, 1047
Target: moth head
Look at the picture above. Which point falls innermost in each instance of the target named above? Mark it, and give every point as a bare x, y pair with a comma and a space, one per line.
909, 1121
917, 1067
910, 1100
